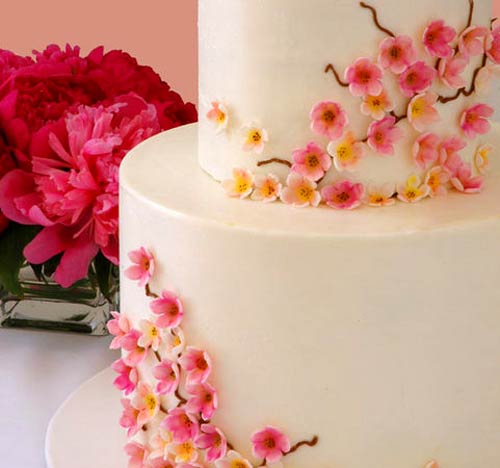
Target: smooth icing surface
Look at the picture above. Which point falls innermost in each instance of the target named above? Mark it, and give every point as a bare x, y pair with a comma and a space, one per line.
265, 61
376, 330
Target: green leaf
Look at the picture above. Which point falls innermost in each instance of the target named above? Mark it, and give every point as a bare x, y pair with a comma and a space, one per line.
12, 243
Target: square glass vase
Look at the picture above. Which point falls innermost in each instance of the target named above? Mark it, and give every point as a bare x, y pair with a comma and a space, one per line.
45, 305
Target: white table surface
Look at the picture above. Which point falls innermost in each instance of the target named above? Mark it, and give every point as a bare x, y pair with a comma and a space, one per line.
38, 371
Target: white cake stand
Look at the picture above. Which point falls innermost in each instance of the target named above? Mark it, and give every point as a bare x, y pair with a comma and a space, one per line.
85, 431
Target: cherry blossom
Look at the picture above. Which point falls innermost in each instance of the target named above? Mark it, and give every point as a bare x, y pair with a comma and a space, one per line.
160, 444
256, 138
167, 375
233, 460
377, 106
474, 120
169, 309
465, 182
202, 399
450, 71
197, 364
449, 157
417, 78
397, 53
364, 78
119, 327
421, 111
382, 195
129, 418
437, 179
213, 441
146, 402
328, 119
136, 353
413, 190
137, 454
426, 150
382, 135
143, 268
473, 40
151, 336
300, 191
182, 425
311, 162
183, 452
437, 39
241, 185
493, 43
219, 116
481, 158
270, 444
347, 153
267, 188
343, 195
127, 376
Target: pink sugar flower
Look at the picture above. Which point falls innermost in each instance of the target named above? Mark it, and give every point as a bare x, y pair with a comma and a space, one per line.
129, 418
417, 78
119, 326
202, 399
413, 190
160, 462
397, 53
146, 402
380, 195
167, 374
197, 364
136, 353
485, 77
465, 182
347, 153
181, 424
449, 156
481, 158
473, 40
241, 185
421, 111
127, 376
267, 188
311, 162
256, 138
233, 460
270, 444
219, 116
151, 336
184, 453
437, 39
175, 342
437, 180
300, 191
143, 268
450, 71
474, 120
426, 150
137, 454
377, 106
343, 195
168, 307
493, 43
160, 444
382, 135
364, 77
328, 119
213, 441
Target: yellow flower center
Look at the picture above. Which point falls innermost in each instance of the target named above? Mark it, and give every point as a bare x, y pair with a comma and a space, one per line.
153, 332
344, 152
417, 108
185, 451
221, 117
377, 198
411, 193
176, 341
268, 190
238, 463
255, 136
150, 401
304, 193
242, 185
434, 181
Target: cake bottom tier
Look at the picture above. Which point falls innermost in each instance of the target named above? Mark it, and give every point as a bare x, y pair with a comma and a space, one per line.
376, 330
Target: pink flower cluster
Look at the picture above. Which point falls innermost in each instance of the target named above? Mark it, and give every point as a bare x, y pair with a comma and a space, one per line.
67, 122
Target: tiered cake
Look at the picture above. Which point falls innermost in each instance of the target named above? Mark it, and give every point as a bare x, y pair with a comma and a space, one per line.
286, 328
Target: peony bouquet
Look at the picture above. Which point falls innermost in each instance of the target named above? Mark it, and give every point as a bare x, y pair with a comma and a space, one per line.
66, 123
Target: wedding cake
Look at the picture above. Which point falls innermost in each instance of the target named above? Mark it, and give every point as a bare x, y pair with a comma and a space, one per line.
265, 320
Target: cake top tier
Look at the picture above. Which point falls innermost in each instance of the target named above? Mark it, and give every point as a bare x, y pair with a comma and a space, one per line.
344, 102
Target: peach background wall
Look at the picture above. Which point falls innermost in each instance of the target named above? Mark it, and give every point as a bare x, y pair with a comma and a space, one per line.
161, 33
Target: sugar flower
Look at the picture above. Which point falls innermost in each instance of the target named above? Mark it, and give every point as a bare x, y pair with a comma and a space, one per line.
202, 399
382, 135
241, 185
160, 444
127, 376
146, 402
256, 138
143, 268
432, 464
347, 153
129, 418
167, 375
119, 326
493, 43
377, 106
417, 78
380, 195
437, 180
474, 120
219, 116
168, 307
328, 119
426, 150
311, 162
160, 462
364, 77
397, 53
472, 41
449, 157
481, 158
450, 71
421, 111
175, 342
465, 182
437, 39
343, 195
197, 364
300, 191
184, 452
413, 190
267, 188
485, 77
270, 444
213, 441
136, 353
137, 454
181, 424
151, 336
233, 460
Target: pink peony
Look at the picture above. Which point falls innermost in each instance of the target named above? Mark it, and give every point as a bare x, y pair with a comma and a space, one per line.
270, 444
212, 439
493, 43
473, 40
364, 78
397, 53
136, 353
437, 39
128, 419
119, 327
426, 150
167, 375
417, 78
421, 111
328, 119
202, 399
197, 364
181, 424
449, 157
168, 307
143, 268
465, 182
127, 376
383, 134
343, 195
450, 71
474, 120
137, 454
311, 161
